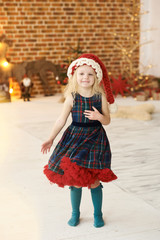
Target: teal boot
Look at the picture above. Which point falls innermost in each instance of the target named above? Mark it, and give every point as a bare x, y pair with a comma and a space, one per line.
76, 194
96, 194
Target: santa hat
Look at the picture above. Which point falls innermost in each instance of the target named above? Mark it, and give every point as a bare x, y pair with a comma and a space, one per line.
101, 73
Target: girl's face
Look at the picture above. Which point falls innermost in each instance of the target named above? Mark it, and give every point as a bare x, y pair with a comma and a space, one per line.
85, 76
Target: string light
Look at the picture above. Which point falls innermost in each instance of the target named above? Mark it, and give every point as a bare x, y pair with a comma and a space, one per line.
5, 64
11, 90
130, 68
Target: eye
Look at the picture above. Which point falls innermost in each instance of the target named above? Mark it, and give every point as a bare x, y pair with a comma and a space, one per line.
90, 74
81, 73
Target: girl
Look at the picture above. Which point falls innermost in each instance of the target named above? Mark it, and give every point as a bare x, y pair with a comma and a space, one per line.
82, 158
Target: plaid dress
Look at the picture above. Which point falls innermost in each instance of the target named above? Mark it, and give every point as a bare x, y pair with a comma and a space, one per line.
83, 154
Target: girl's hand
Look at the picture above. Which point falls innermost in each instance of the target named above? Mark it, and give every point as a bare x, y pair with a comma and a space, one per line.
46, 146
92, 115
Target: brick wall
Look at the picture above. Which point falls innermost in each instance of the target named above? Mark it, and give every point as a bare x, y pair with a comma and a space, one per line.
48, 28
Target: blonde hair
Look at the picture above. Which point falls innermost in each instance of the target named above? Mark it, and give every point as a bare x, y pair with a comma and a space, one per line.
72, 86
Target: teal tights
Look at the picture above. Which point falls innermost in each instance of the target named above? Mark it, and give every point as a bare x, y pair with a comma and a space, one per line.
75, 194
96, 194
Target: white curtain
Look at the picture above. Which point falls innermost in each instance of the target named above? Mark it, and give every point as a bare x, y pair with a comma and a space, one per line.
150, 53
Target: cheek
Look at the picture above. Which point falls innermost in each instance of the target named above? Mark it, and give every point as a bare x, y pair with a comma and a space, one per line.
78, 80
78, 77
92, 80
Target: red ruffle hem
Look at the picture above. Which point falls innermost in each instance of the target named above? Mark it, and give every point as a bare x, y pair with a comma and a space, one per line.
75, 175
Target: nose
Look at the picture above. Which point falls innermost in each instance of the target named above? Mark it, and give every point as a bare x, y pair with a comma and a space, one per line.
86, 76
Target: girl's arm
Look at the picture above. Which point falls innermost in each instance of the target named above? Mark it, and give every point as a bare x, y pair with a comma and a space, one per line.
59, 124
61, 121
104, 118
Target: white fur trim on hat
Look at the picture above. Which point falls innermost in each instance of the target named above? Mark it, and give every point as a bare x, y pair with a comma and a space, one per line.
86, 61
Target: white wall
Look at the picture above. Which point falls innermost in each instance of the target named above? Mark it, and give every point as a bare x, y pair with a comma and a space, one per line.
150, 53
